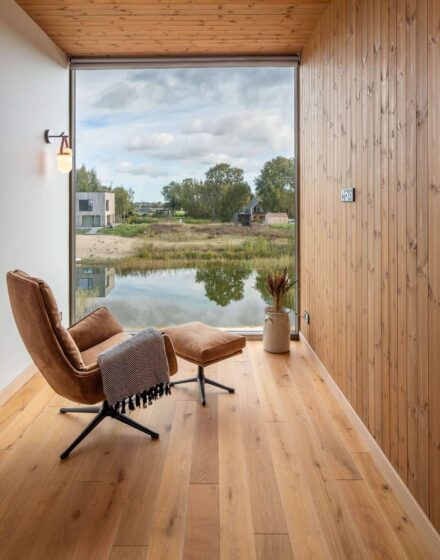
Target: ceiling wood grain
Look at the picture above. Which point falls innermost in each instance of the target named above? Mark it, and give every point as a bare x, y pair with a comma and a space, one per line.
181, 27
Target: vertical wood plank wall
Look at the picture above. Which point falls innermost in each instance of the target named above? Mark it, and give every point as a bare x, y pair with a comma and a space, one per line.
370, 271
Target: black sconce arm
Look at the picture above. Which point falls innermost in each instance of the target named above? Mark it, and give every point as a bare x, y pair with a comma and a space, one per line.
48, 136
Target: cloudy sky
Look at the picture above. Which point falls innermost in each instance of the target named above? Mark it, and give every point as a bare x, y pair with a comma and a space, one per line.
145, 128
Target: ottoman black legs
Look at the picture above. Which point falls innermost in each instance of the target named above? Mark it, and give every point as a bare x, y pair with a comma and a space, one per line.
202, 380
204, 345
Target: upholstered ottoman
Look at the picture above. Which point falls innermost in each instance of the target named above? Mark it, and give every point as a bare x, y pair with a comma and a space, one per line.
204, 345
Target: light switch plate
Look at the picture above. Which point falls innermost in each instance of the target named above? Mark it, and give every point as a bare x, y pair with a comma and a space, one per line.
348, 195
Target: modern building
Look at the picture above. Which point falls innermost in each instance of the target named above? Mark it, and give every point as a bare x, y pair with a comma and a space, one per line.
94, 209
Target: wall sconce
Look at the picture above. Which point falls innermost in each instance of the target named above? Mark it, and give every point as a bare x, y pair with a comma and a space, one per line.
64, 155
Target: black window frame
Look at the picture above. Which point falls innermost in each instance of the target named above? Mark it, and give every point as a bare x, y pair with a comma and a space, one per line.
97, 63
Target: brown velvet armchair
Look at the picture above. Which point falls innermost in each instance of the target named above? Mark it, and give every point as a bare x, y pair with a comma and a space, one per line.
67, 358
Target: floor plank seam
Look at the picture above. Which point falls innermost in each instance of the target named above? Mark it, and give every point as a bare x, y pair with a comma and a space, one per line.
203, 524
204, 483
272, 533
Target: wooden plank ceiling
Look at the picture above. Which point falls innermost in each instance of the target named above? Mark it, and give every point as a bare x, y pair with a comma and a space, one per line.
177, 28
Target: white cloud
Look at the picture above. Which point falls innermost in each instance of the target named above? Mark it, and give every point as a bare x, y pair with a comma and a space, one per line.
142, 169
251, 127
179, 122
214, 159
116, 96
230, 138
168, 89
153, 142
124, 166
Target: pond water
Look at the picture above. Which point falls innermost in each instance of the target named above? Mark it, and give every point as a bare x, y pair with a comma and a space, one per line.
217, 295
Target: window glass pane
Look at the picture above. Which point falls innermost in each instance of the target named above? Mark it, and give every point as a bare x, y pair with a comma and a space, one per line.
85, 205
191, 177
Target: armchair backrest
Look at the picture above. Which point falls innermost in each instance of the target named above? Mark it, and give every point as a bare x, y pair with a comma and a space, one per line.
50, 346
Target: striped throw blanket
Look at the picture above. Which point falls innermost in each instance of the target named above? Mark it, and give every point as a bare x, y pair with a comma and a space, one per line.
135, 372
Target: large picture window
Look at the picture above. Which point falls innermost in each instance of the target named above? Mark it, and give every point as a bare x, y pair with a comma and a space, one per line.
199, 165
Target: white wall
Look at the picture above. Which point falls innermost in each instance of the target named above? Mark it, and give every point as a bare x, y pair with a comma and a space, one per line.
34, 200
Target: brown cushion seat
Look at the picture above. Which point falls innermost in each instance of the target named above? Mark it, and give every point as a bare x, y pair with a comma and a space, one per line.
203, 345
90, 355
96, 327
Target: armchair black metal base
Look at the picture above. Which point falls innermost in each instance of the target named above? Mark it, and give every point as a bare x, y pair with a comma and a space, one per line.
101, 412
202, 381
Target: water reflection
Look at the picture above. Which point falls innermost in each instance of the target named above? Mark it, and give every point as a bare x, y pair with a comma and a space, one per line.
223, 284
97, 279
217, 294
92, 283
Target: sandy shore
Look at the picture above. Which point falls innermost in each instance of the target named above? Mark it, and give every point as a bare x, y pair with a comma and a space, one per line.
105, 246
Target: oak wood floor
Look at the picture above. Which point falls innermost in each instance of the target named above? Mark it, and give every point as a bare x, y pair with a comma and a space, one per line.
274, 472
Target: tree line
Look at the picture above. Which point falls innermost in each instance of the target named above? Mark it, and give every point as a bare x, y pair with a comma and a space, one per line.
225, 191
218, 197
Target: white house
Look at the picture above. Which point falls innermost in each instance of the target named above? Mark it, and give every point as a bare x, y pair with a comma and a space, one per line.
94, 209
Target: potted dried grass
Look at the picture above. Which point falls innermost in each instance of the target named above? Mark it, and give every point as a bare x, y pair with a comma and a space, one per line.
276, 332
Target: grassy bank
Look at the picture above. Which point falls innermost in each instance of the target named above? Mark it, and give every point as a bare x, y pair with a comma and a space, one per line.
174, 231
175, 245
134, 265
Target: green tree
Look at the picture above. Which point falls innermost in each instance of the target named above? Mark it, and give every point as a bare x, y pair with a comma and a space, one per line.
223, 284
191, 192
219, 197
87, 180
225, 192
172, 194
186, 196
275, 186
123, 203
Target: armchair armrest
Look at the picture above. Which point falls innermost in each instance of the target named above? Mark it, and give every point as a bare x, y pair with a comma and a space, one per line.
171, 355
94, 328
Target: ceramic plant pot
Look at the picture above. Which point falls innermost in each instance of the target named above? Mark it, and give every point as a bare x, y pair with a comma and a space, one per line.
276, 331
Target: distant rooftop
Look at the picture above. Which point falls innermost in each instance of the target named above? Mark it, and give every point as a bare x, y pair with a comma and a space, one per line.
254, 202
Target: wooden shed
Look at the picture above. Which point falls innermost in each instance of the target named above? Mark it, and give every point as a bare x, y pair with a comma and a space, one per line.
273, 218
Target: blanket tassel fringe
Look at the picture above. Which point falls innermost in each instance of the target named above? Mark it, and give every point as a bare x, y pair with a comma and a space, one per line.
143, 399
